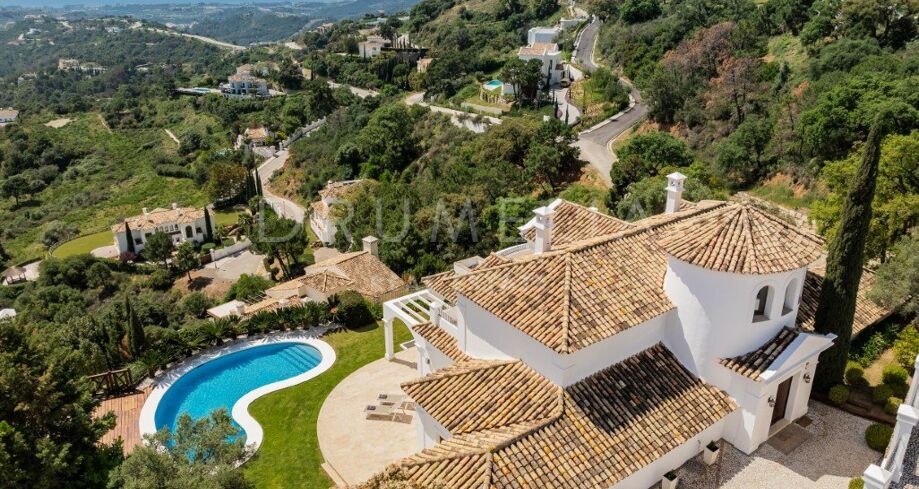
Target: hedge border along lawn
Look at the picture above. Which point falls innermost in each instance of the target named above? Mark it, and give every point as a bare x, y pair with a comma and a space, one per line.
289, 456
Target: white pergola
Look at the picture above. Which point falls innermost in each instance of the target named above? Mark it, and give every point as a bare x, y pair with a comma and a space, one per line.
412, 309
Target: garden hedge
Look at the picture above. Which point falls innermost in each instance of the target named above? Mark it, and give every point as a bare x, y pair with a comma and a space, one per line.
878, 436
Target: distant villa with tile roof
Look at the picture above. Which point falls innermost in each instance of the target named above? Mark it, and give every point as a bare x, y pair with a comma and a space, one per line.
604, 353
179, 223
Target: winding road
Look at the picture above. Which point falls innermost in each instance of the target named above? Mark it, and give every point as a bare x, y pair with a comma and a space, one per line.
595, 142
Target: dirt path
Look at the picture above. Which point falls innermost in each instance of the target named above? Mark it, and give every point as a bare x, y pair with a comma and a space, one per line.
172, 136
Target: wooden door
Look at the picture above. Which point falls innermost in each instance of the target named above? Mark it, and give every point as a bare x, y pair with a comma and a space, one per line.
781, 401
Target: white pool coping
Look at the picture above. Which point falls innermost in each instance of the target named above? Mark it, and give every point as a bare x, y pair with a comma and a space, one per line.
240, 410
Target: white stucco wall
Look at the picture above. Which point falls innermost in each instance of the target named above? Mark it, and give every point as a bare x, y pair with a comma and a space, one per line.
120, 240
715, 311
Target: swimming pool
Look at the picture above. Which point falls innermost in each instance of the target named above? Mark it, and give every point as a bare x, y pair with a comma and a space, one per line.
494, 84
232, 379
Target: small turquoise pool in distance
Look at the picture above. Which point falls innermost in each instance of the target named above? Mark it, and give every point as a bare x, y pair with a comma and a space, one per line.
494, 84
219, 383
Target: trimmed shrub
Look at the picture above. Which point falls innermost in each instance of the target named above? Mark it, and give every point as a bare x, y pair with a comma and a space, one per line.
907, 346
895, 375
857, 483
353, 310
855, 374
900, 390
839, 394
881, 393
160, 280
878, 436
893, 404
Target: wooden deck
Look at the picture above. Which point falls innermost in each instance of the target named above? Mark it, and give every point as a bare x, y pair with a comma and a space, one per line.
127, 409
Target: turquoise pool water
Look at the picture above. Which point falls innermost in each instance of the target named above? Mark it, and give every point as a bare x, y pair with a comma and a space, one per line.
494, 84
221, 382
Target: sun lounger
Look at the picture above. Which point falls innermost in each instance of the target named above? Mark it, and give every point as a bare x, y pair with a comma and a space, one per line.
382, 411
392, 399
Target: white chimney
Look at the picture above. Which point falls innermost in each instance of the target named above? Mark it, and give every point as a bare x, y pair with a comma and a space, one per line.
674, 192
543, 229
371, 245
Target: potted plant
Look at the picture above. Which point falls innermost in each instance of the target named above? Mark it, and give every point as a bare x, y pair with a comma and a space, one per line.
669, 480
710, 453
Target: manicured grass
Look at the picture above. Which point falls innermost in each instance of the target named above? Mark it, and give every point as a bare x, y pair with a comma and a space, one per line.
290, 456
84, 244
225, 218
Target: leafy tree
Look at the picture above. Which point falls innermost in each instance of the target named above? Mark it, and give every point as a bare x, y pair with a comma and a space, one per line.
56, 232
247, 287
551, 155
897, 282
642, 156
283, 240
98, 275
845, 258
635, 11
199, 454
226, 181
48, 435
15, 186
158, 247
386, 141
525, 77
196, 304
647, 197
186, 258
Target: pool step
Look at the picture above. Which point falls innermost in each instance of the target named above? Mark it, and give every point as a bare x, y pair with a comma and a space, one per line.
301, 360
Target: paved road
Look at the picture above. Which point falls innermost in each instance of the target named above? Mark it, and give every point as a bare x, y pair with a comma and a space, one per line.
584, 55
284, 207
360, 92
594, 143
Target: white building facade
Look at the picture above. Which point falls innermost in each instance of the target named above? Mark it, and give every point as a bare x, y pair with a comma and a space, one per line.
181, 224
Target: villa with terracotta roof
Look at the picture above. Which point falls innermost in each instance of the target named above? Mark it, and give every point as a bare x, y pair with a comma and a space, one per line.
360, 271
605, 353
321, 221
548, 54
180, 223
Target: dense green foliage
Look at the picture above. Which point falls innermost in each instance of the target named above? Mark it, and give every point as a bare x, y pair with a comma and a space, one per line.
878, 436
838, 394
197, 454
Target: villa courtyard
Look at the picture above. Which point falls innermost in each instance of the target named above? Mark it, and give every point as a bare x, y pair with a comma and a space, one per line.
825, 454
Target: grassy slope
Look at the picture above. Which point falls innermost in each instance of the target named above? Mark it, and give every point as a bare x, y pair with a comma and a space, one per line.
290, 456
117, 178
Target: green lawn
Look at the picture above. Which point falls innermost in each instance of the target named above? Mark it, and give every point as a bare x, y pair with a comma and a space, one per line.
289, 455
225, 218
84, 244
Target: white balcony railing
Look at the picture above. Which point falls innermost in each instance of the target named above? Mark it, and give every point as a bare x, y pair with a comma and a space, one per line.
891, 467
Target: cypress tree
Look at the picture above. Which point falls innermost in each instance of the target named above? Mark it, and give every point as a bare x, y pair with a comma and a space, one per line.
258, 184
845, 257
129, 238
208, 230
135, 330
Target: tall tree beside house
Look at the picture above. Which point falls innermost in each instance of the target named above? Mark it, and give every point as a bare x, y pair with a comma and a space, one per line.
159, 247
208, 229
129, 238
134, 330
258, 184
186, 259
845, 257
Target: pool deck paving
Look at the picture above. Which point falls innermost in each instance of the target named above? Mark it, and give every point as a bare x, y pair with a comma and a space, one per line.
356, 448
127, 411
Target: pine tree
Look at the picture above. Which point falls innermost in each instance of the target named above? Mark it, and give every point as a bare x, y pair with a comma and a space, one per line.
134, 330
129, 238
208, 230
845, 257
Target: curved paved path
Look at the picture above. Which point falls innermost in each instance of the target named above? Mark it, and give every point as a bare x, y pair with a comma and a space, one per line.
284, 207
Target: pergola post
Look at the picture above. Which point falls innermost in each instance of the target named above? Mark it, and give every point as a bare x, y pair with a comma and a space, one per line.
387, 334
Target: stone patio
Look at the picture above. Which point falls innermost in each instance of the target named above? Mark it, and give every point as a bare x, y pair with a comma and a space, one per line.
354, 447
833, 452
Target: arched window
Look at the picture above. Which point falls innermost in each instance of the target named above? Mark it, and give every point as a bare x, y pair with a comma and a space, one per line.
188, 232
791, 297
761, 305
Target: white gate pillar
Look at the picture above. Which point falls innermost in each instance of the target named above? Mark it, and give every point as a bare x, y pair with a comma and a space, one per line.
387, 335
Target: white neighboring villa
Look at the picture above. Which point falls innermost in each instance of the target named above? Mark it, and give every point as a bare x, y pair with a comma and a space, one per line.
244, 84
542, 34
541, 46
180, 223
602, 353
372, 46
321, 221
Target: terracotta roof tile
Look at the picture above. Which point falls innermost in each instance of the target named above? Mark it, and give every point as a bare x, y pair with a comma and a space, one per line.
595, 433
753, 364
573, 222
440, 339
574, 297
867, 312
158, 216
740, 238
368, 275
